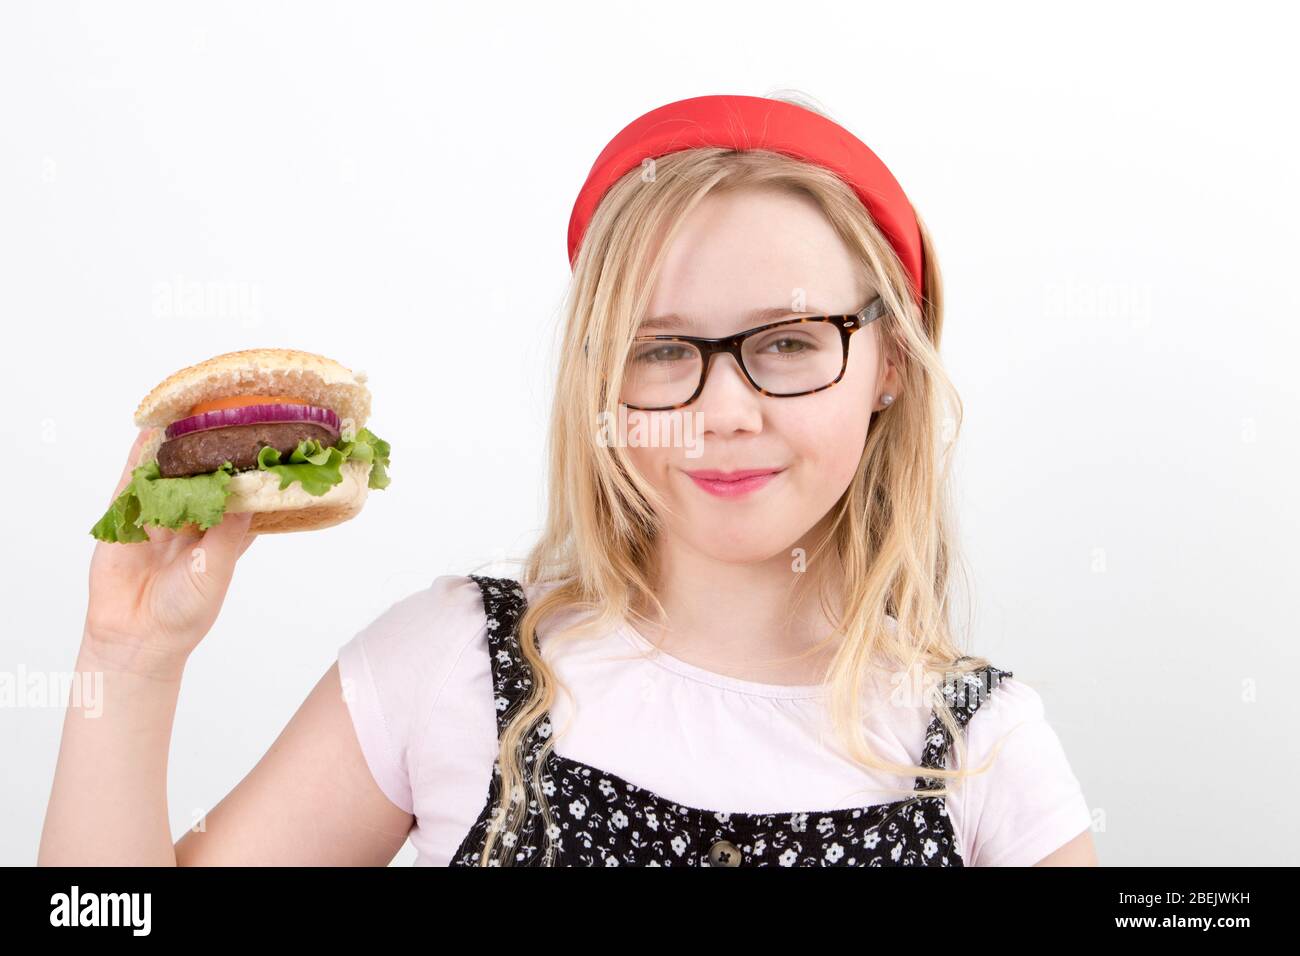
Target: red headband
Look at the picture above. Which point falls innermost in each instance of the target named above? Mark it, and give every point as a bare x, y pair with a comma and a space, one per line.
755, 122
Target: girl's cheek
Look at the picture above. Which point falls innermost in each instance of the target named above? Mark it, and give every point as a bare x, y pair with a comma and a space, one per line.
833, 457
646, 464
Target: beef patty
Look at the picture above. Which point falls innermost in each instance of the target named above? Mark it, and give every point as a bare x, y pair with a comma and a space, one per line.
201, 452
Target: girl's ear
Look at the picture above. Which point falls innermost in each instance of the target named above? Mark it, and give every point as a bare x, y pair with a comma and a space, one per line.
891, 382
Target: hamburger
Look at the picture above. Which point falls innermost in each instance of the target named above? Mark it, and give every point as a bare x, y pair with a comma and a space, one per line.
277, 432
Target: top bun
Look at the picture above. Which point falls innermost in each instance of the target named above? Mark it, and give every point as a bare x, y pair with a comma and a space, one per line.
313, 378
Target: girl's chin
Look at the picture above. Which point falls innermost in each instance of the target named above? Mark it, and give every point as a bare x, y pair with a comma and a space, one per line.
736, 542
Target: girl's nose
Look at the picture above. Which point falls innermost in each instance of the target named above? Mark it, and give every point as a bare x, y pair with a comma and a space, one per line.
728, 402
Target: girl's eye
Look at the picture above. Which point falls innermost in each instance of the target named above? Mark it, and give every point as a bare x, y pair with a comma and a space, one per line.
667, 352
787, 345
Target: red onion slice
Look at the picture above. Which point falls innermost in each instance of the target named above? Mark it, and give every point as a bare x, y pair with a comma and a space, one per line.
254, 415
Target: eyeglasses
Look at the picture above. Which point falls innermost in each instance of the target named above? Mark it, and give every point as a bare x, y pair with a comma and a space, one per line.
793, 357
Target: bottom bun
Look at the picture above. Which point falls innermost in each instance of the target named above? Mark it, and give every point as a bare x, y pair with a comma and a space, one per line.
276, 511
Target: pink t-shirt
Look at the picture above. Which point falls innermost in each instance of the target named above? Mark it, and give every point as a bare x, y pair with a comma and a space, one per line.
418, 684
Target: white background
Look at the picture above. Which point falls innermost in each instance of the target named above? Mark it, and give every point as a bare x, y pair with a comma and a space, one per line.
1113, 195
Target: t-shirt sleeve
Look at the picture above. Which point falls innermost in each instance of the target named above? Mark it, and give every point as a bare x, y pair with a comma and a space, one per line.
393, 671
1029, 802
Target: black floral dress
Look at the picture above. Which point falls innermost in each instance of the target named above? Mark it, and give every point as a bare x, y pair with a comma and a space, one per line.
601, 819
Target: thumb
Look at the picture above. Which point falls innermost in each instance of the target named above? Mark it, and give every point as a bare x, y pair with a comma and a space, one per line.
224, 542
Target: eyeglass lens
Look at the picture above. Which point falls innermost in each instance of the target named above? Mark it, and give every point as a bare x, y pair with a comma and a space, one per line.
800, 357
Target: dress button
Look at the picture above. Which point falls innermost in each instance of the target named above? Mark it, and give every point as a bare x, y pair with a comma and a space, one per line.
723, 853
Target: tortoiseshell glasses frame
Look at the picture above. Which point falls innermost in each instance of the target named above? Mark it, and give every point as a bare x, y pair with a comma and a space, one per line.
731, 345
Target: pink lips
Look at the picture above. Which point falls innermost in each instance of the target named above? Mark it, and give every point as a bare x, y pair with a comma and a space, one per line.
733, 484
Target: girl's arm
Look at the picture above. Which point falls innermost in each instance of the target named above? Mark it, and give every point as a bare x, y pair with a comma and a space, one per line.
311, 800
109, 801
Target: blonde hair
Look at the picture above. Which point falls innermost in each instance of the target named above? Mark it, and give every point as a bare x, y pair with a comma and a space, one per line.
889, 543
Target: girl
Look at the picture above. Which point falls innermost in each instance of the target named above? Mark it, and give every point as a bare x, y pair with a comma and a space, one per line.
742, 588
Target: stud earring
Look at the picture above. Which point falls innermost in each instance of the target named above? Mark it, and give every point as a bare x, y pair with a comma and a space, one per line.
886, 399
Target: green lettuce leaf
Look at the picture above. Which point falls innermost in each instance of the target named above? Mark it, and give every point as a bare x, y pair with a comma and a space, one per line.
149, 499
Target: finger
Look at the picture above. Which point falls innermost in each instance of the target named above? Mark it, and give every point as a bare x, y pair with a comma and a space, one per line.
160, 534
187, 533
131, 461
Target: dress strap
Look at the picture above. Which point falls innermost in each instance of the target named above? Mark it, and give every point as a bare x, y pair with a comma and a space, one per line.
504, 605
964, 694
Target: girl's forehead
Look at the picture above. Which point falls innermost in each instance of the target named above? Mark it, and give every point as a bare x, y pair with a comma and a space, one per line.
741, 268
741, 259
764, 228
698, 300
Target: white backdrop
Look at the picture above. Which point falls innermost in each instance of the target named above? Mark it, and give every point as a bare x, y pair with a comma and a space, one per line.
1113, 196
